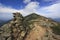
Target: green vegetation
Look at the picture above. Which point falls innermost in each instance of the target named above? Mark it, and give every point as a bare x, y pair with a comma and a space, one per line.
56, 29
31, 17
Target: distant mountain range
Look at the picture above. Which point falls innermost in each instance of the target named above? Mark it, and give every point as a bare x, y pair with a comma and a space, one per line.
2, 22
57, 19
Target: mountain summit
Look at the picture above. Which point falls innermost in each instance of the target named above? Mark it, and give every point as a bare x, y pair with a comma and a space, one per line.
31, 27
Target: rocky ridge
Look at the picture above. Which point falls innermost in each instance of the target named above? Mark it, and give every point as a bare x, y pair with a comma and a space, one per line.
31, 27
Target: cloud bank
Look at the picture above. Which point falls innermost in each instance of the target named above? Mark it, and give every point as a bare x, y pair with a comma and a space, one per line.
52, 11
4, 9
30, 8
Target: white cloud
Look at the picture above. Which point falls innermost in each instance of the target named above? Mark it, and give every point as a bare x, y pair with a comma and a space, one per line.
6, 12
30, 8
52, 11
32, 5
4, 9
27, 1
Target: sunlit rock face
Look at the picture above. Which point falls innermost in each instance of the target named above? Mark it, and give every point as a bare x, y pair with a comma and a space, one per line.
31, 27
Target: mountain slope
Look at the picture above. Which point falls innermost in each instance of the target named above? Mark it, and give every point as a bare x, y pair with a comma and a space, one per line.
41, 26
32, 27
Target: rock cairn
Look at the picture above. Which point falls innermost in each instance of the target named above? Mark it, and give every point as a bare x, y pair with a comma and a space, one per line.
17, 29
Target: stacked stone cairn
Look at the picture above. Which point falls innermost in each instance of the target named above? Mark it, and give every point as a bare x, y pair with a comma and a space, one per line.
17, 30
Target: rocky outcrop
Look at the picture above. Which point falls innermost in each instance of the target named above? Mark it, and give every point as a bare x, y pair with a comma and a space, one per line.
31, 27
17, 28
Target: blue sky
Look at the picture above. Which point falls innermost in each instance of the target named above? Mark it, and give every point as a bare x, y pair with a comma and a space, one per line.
48, 8
18, 4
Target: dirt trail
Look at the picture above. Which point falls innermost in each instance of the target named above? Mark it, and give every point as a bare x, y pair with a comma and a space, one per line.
36, 33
